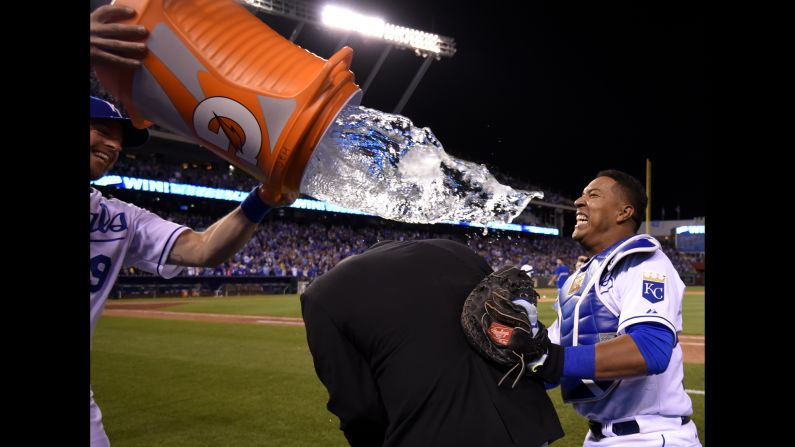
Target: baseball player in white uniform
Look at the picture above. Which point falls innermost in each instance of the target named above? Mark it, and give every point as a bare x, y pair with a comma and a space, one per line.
615, 351
122, 234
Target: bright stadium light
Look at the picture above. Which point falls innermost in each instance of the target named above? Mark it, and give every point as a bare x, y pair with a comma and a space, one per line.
341, 18
346, 19
416, 39
306, 11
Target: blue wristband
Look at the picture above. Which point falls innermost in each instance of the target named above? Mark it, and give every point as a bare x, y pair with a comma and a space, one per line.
579, 361
254, 208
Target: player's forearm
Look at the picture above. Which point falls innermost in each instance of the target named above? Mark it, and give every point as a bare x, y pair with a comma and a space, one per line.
617, 358
216, 244
613, 359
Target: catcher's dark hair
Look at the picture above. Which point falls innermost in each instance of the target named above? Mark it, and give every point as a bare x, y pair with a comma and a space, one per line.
633, 190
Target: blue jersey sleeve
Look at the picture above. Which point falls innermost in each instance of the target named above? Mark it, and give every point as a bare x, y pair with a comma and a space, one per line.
656, 343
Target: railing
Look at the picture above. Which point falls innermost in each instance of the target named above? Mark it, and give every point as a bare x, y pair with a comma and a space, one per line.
155, 286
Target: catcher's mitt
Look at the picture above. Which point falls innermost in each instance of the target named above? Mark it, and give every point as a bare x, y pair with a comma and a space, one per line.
500, 320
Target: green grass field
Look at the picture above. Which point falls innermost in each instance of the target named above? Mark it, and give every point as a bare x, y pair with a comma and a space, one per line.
184, 383
273, 305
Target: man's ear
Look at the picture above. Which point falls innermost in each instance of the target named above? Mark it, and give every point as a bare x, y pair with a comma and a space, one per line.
625, 214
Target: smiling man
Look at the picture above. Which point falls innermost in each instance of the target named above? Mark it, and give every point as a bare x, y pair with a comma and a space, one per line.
124, 234
615, 351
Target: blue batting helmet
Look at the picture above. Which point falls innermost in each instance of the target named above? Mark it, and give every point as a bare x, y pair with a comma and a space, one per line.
131, 135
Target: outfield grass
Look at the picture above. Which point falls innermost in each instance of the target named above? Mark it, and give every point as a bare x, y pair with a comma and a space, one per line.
184, 383
273, 305
693, 308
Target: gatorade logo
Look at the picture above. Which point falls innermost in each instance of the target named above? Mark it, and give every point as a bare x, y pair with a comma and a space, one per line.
232, 130
228, 124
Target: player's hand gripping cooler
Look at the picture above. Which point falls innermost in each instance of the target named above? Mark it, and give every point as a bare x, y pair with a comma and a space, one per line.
218, 76
500, 320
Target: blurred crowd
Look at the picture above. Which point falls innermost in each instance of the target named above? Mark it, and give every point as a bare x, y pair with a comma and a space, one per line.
216, 175
307, 250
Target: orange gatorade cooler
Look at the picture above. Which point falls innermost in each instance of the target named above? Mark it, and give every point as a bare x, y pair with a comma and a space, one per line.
218, 76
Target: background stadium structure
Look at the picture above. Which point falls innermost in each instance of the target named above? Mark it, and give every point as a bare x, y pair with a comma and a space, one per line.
309, 243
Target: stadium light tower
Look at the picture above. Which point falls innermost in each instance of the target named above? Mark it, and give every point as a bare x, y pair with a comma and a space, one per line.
427, 45
341, 18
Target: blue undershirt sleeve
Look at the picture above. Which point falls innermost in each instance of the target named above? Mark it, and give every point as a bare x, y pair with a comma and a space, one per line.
656, 343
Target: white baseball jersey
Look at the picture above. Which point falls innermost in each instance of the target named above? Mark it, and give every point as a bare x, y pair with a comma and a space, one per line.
124, 235
606, 296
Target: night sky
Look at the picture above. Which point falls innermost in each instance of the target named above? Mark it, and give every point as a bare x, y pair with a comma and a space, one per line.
552, 93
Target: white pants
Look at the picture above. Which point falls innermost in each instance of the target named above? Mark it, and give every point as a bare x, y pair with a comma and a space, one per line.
682, 436
98, 436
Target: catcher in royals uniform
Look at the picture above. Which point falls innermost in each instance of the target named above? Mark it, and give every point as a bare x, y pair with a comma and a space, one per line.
615, 350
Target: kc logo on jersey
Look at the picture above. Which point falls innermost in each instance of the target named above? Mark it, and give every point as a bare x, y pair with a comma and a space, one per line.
653, 286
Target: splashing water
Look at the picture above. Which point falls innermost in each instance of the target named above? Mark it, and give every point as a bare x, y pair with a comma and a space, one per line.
382, 164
